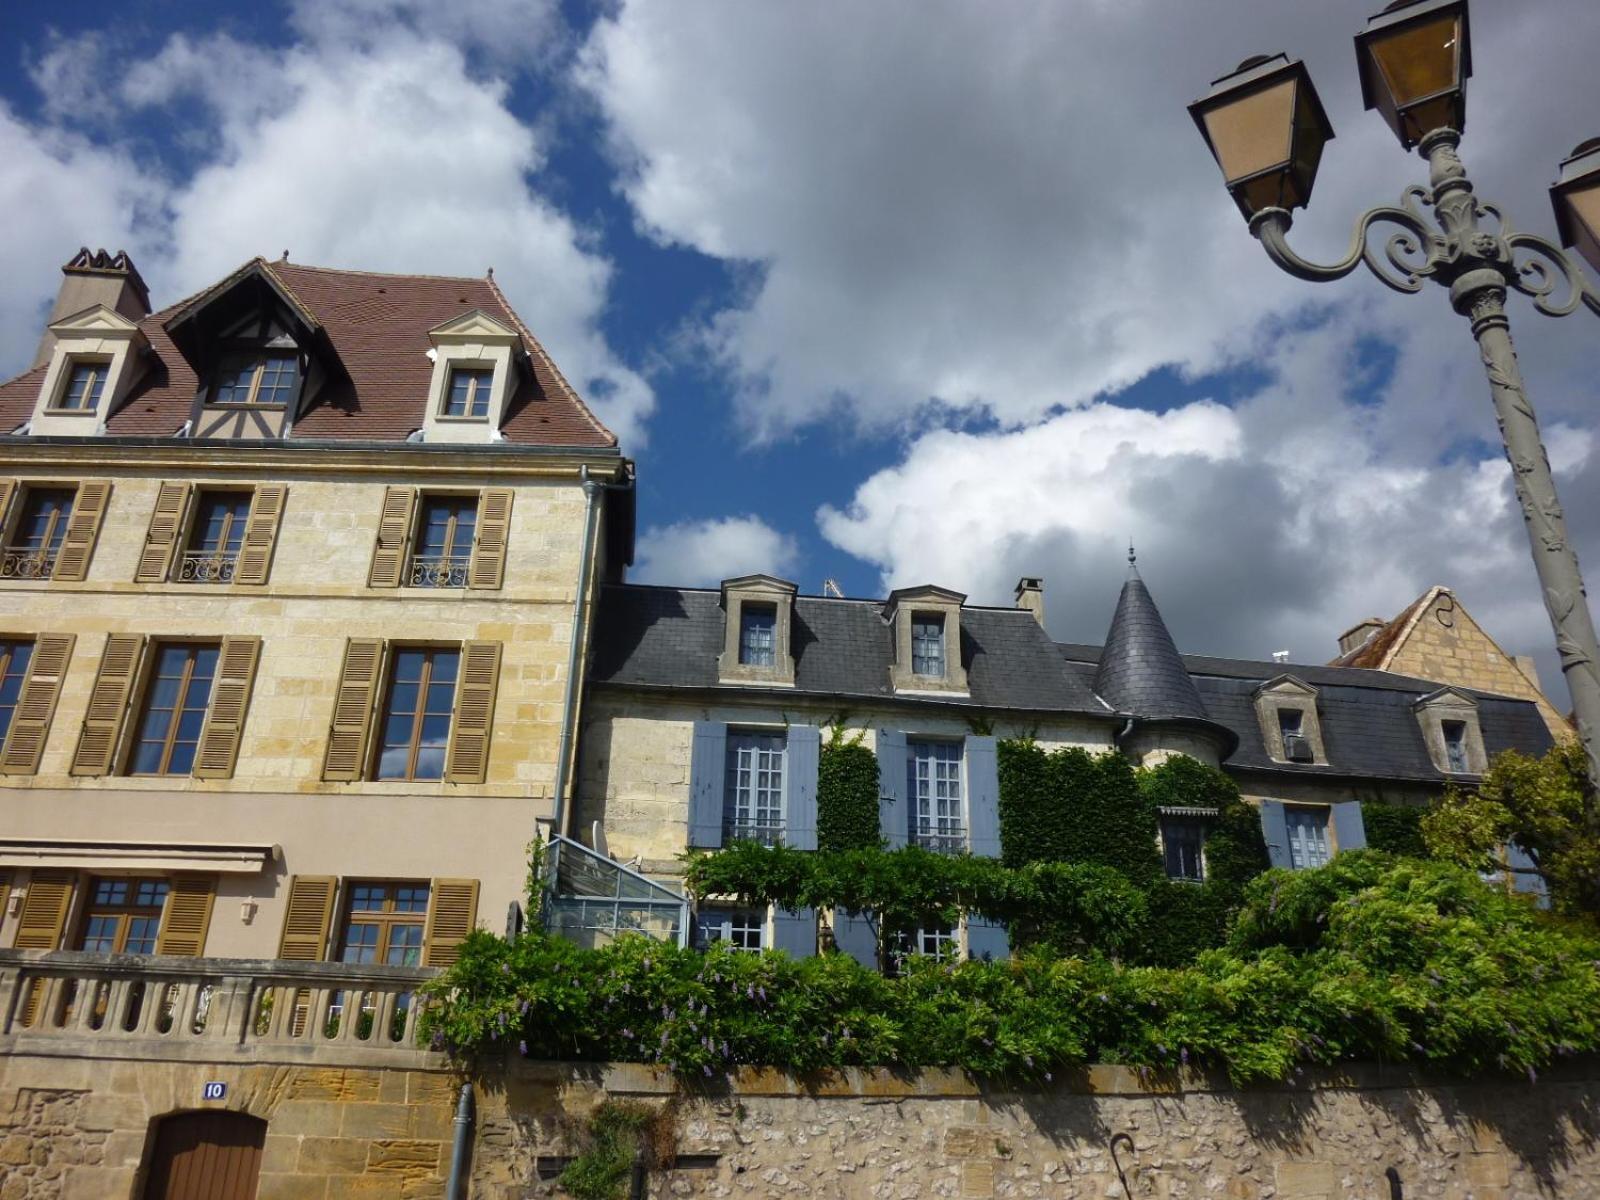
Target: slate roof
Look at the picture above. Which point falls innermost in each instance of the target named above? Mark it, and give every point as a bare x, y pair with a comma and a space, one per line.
1140, 670
671, 637
378, 327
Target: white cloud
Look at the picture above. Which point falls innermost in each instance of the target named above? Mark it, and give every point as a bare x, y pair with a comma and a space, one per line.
703, 553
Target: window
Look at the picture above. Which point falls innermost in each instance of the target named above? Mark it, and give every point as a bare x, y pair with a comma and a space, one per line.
938, 942
742, 929
416, 714
174, 710
1308, 837
758, 624
123, 916
83, 387
257, 378
1183, 842
754, 795
1289, 722
934, 784
927, 645
384, 924
468, 393
215, 537
443, 551
37, 536
14, 659
1455, 745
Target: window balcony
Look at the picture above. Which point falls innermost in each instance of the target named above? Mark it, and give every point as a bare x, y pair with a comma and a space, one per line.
437, 571
201, 567
20, 562
768, 833
941, 839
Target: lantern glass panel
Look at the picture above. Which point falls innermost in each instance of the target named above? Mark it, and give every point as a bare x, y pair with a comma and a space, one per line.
1253, 133
1419, 69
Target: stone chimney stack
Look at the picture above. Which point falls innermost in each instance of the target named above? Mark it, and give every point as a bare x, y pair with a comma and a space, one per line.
96, 277
1030, 596
1360, 634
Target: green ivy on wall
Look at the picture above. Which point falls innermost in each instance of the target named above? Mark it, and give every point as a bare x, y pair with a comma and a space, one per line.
847, 793
1396, 828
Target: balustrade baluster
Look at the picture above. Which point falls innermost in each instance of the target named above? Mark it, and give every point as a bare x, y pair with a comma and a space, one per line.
117, 1007
383, 1018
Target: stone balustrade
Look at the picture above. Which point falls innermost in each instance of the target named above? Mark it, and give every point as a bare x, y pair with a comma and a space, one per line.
209, 1009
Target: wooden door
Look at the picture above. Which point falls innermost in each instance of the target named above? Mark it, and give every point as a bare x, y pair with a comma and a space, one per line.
206, 1156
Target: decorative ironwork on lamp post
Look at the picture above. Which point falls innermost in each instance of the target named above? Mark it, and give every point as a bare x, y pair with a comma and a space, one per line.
1266, 128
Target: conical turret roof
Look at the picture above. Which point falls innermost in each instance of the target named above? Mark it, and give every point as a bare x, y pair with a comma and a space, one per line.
1140, 669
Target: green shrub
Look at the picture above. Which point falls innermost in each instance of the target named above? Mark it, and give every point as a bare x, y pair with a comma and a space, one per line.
847, 795
1394, 828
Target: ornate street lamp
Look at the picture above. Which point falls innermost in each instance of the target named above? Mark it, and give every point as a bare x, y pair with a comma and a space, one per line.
1266, 129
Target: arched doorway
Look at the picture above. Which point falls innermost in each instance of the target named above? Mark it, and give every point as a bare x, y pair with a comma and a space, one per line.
214, 1155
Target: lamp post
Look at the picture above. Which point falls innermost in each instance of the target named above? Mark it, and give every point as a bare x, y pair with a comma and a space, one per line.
1266, 128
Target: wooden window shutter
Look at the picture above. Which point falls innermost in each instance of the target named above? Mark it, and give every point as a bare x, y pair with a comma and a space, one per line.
260, 533
83, 527
44, 910
8, 492
230, 699
108, 704
30, 723
488, 566
307, 916
161, 539
352, 709
452, 912
187, 916
469, 731
394, 536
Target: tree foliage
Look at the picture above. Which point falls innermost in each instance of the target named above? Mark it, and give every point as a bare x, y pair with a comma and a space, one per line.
1395, 828
1546, 806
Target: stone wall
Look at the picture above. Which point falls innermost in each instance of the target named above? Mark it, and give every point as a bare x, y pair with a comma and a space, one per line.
863, 1134
81, 1128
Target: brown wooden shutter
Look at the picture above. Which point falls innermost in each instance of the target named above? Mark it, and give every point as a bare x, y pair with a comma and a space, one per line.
108, 704
452, 912
30, 723
307, 916
468, 761
8, 491
83, 527
187, 916
394, 536
260, 533
44, 910
230, 699
161, 539
488, 566
352, 709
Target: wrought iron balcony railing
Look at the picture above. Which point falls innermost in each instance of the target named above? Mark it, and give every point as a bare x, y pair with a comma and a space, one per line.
20, 562
767, 833
437, 571
941, 839
201, 567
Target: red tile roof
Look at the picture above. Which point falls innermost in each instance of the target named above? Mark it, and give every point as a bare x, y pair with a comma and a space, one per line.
378, 326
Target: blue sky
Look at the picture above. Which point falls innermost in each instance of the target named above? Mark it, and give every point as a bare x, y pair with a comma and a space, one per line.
885, 293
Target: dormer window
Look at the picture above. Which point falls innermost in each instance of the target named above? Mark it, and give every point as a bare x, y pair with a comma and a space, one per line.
467, 397
927, 645
84, 386
1286, 709
1455, 745
925, 623
257, 378
1449, 721
758, 625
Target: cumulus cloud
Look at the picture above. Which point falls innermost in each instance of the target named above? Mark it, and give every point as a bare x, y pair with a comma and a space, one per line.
703, 553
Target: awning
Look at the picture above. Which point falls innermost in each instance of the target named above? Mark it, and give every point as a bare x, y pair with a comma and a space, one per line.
230, 858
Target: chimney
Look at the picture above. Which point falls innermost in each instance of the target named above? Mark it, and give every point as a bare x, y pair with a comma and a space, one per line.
91, 278
1360, 634
1030, 596
1529, 668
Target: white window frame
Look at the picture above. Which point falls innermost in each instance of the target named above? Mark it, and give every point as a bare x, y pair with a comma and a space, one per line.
938, 817
1307, 853
757, 768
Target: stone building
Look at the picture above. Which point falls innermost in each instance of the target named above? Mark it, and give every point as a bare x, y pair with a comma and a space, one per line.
706, 711
293, 577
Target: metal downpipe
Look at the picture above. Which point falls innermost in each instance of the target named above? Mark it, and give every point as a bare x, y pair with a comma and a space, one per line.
456, 1189
580, 613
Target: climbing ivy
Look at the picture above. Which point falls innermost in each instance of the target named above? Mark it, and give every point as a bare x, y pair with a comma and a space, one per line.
847, 793
1396, 828
1072, 806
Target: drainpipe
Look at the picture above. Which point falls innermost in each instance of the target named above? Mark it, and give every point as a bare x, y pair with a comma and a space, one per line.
580, 612
457, 1186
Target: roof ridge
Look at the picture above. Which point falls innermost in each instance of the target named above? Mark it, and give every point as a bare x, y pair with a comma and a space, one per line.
535, 346
386, 274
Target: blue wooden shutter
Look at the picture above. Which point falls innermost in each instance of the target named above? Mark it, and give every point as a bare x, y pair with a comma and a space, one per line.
800, 787
1349, 832
856, 934
708, 774
795, 931
986, 938
1275, 828
983, 798
893, 823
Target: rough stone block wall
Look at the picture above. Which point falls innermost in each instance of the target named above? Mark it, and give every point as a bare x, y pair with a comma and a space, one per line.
81, 1129
1102, 1136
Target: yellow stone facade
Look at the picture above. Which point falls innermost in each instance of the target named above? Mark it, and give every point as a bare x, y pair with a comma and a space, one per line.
316, 597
